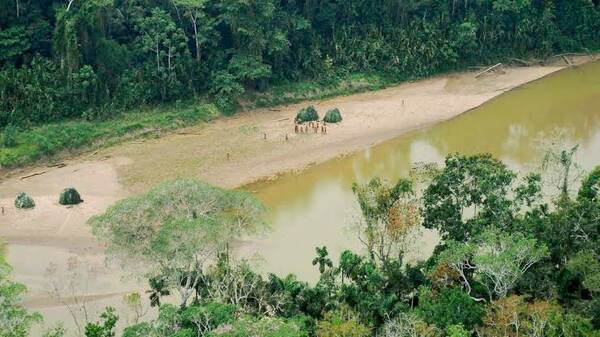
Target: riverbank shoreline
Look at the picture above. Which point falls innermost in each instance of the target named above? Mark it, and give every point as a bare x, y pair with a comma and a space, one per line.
232, 152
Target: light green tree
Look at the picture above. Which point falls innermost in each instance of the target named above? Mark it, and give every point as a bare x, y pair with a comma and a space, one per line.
15, 321
502, 258
497, 259
390, 214
342, 322
176, 228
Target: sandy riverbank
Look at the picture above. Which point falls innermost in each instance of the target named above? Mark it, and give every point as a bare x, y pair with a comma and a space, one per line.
54, 234
369, 118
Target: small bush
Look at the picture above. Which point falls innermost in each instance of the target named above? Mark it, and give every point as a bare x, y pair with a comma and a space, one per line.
333, 116
9, 136
69, 196
24, 201
307, 114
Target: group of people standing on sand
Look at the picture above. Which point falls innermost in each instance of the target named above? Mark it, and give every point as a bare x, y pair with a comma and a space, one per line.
316, 126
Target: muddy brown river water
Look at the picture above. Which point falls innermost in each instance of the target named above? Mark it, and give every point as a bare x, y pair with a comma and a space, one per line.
317, 207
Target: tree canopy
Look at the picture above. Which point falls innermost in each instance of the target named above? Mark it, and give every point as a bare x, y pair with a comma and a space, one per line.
176, 228
91, 59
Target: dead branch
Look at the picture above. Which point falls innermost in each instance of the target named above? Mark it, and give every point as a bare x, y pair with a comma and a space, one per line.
189, 134
488, 69
523, 62
33, 175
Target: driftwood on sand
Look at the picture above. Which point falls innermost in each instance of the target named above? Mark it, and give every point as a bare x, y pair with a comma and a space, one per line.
567, 60
488, 69
523, 62
33, 175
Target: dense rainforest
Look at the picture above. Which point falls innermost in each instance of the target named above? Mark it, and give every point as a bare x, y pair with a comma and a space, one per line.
90, 59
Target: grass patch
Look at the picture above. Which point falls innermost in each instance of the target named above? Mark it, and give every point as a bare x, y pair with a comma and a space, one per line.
32, 144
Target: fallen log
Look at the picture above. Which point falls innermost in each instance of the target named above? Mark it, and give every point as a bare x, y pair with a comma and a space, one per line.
59, 165
33, 175
569, 54
282, 119
567, 60
523, 62
488, 69
189, 134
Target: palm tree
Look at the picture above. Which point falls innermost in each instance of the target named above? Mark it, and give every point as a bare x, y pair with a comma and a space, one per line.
158, 288
322, 259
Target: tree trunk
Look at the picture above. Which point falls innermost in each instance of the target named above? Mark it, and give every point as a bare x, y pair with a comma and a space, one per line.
194, 23
69, 5
157, 57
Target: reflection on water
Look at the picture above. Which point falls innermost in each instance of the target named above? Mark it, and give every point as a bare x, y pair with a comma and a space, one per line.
316, 207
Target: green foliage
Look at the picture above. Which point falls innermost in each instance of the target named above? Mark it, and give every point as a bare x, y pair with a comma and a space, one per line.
449, 307
212, 315
9, 136
307, 114
408, 325
15, 321
24, 201
69, 196
322, 259
470, 193
176, 227
264, 326
533, 274
333, 116
100, 58
105, 327
587, 264
57, 331
390, 216
49, 139
495, 258
457, 331
341, 322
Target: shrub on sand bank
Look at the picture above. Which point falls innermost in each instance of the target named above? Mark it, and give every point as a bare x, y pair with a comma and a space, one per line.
69, 196
333, 116
24, 201
307, 114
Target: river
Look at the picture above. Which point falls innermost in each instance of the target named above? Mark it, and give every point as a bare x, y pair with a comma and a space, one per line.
317, 206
